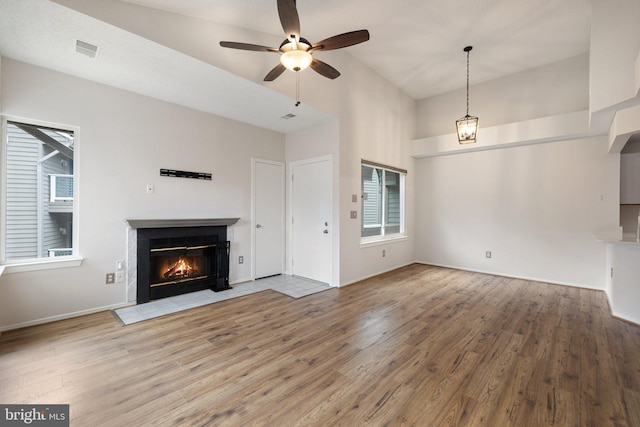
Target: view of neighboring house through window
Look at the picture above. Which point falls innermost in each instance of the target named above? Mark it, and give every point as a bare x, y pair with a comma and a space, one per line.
39, 175
382, 201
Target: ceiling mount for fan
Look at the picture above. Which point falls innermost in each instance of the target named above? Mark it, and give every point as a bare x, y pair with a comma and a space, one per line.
296, 53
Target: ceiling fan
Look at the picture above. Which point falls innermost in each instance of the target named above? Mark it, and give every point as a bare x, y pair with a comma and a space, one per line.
296, 52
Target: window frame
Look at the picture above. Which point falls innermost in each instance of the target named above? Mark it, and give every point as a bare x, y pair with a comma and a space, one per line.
41, 263
383, 236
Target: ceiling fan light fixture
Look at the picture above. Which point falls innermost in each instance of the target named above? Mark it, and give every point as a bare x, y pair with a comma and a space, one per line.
296, 52
296, 59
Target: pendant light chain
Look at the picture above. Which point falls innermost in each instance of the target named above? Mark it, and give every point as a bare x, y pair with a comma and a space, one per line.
468, 50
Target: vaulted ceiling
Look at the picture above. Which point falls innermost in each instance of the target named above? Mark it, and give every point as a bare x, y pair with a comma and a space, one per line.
415, 44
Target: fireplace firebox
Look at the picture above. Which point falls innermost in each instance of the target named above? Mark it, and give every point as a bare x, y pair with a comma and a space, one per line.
177, 260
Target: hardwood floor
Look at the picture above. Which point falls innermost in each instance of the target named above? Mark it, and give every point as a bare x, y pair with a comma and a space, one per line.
421, 346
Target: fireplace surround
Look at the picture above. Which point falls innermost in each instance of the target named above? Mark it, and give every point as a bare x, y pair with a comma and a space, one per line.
174, 257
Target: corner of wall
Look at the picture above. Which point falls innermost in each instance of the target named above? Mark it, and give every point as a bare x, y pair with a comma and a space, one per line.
613, 49
637, 68
0, 84
625, 123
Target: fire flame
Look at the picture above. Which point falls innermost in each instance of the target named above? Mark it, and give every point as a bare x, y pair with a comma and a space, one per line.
180, 269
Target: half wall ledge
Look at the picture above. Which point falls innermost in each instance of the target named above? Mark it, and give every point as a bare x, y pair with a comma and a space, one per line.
535, 131
192, 222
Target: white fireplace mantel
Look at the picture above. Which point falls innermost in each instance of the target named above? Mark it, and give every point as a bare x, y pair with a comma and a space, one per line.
191, 222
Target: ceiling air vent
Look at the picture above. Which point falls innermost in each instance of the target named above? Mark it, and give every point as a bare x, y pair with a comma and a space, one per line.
288, 116
87, 49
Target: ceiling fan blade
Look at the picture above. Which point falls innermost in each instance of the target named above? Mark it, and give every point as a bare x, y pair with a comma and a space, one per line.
274, 73
325, 69
248, 46
342, 40
289, 18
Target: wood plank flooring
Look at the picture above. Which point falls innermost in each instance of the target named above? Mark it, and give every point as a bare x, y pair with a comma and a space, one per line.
420, 346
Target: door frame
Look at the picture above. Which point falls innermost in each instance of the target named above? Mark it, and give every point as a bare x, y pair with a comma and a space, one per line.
255, 160
290, 201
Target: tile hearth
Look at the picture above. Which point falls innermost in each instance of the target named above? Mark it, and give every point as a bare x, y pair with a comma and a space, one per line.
295, 287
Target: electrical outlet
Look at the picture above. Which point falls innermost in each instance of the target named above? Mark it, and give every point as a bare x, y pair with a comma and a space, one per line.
384, 253
240, 259
488, 254
111, 278
354, 214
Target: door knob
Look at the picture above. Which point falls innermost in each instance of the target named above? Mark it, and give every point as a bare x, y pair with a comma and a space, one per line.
258, 226
325, 231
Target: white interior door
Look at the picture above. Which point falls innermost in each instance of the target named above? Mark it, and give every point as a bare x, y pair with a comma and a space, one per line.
268, 204
311, 216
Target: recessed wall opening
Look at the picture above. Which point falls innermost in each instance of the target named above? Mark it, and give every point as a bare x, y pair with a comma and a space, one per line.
630, 186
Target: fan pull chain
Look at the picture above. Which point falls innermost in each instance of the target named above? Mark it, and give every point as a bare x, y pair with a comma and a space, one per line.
297, 89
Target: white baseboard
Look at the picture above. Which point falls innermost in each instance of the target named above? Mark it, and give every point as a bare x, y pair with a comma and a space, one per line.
511, 276
238, 281
619, 316
62, 316
351, 282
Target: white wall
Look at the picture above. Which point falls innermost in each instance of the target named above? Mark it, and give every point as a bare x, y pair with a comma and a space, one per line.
124, 140
377, 124
318, 141
614, 49
557, 88
630, 178
534, 207
377, 120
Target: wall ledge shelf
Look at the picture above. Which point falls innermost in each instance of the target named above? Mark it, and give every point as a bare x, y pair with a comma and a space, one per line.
559, 127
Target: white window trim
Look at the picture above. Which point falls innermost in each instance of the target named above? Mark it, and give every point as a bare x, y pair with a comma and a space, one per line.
380, 240
38, 264
386, 238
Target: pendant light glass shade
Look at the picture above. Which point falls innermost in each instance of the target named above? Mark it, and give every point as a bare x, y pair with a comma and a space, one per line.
467, 129
467, 126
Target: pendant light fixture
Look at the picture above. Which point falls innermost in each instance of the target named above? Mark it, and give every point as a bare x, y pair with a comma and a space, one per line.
468, 125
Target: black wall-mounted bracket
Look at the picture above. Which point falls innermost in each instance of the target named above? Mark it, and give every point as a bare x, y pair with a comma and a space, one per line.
185, 174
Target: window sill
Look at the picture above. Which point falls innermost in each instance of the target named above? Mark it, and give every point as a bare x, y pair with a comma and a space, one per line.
382, 240
38, 265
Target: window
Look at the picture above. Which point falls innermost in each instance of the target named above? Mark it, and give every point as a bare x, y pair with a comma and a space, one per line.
38, 178
382, 202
